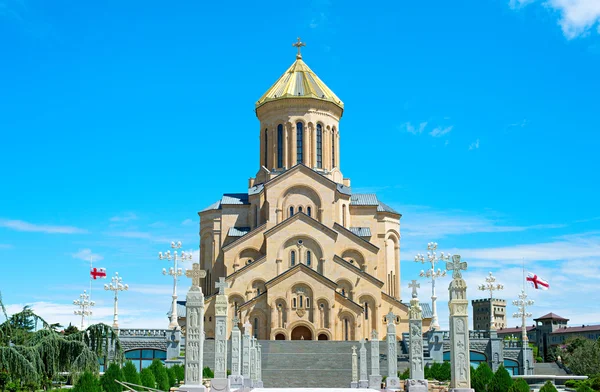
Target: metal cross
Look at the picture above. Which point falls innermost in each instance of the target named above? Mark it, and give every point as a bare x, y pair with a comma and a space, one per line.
456, 266
195, 274
414, 286
221, 285
299, 45
390, 317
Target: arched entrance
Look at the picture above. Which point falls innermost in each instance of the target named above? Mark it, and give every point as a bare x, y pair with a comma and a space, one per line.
323, 337
280, 336
301, 332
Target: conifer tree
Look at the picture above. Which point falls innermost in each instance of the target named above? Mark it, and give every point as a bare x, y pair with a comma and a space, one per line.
131, 374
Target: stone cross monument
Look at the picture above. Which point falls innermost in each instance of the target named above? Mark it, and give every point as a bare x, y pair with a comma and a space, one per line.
194, 340
375, 376
259, 383
246, 354
459, 328
417, 382
220, 382
354, 383
253, 360
392, 382
236, 380
363, 381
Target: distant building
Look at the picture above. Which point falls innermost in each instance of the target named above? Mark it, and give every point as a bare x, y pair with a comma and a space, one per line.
481, 313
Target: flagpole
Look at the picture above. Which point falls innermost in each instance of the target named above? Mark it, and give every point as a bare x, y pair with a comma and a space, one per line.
90, 273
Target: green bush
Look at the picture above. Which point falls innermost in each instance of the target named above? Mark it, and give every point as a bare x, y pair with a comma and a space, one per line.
519, 385
584, 388
107, 381
427, 372
548, 387
147, 378
404, 375
482, 378
445, 372
434, 372
207, 373
179, 372
171, 376
160, 375
501, 381
88, 382
595, 382
130, 373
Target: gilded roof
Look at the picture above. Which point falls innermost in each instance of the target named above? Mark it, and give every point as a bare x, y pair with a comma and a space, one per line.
299, 81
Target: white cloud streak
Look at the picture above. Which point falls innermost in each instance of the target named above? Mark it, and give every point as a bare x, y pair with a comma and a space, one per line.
19, 225
129, 216
441, 131
474, 145
86, 254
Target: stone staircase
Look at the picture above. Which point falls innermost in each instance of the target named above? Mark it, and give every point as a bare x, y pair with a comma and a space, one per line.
550, 369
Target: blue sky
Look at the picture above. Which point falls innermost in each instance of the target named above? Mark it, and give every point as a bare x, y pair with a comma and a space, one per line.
477, 120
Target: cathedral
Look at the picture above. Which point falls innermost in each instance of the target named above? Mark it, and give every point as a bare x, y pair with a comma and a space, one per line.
304, 258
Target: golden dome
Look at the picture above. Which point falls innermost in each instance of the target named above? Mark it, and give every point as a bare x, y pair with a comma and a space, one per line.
299, 81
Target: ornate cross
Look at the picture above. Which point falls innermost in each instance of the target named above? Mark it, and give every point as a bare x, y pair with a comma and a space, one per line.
221, 285
195, 274
390, 317
299, 45
456, 266
235, 320
247, 326
414, 286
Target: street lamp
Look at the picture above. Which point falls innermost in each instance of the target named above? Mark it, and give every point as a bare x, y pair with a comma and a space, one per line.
432, 274
84, 305
522, 303
175, 273
116, 285
491, 286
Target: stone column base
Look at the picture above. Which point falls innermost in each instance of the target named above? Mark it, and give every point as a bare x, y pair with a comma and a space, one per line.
236, 382
392, 384
375, 381
192, 388
248, 382
220, 385
258, 384
363, 383
354, 384
416, 385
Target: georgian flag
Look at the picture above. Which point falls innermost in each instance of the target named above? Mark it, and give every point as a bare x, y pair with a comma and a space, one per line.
537, 282
96, 273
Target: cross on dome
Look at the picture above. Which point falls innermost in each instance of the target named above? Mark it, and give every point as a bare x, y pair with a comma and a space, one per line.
298, 45
195, 274
456, 266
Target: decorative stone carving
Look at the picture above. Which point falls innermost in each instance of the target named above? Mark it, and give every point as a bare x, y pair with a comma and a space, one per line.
259, 383
417, 382
392, 382
375, 376
363, 381
236, 380
220, 382
246, 354
459, 332
354, 383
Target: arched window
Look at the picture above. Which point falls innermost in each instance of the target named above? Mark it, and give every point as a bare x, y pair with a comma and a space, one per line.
308, 211
299, 139
366, 310
344, 292
294, 302
280, 145
346, 323
257, 291
300, 209
256, 327
332, 150
301, 301
266, 148
307, 303
308, 257
293, 258
319, 146
292, 211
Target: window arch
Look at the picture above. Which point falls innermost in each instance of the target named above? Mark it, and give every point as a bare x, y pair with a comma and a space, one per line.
319, 146
366, 310
266, 150
256, 327
293, 258
291, 211
280, 145
308, 211
308, 257
333, 148
299, 140
300, 209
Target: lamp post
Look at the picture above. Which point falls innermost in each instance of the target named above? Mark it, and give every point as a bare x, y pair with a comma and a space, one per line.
522, 303
491, 286
175, 272
116, 285
84, 305
432, 258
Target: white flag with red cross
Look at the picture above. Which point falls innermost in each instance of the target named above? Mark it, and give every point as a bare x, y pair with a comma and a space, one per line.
96, 273
537, 282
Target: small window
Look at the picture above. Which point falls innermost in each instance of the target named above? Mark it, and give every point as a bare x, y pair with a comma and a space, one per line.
291, 211
255, 327
319, 146
294, 303
308, 211
293, 258
299, 139
308, 258
209, 319
300, 209
366, 311
300, 301
280, 146
307, 303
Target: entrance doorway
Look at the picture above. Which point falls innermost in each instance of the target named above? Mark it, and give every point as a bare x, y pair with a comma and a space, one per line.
323, 337
301, 332
280, 336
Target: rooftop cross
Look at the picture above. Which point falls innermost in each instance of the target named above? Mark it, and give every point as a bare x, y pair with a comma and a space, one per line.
414, 286
456, 266
298, 45
221, 285
195, 274
390, 317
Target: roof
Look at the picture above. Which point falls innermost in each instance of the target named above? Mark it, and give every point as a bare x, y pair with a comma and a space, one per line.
234, 198
583, 328
503, 331
552, 316
299, 81
361, 231
427, 313
370, 199
346, 190
238, 231
382, 207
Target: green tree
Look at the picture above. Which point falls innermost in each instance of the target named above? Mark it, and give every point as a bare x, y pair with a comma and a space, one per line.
445, 372
548, 387
435, 371
107, 381
582, 356
171, 376
130, 373
404, 375
160, 375
207, 373
584, 388
4, 377
179, 372
70, 330
483, 377
147, 378
519, 385
427, 372
88, 382
501, 381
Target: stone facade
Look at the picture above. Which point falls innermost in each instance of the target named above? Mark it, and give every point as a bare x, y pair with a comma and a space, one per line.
481, 313
304, 256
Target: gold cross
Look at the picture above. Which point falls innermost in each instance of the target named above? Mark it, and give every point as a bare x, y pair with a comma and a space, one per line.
299, 45
195, 274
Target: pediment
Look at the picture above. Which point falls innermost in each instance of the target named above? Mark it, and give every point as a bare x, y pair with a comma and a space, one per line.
302, 222
301, 168
301, 272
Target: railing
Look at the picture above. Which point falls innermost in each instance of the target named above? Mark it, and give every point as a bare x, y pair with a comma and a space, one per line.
512, 344
151, 333
479, 335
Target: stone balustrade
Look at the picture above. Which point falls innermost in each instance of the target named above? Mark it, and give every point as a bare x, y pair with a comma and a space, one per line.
149, 333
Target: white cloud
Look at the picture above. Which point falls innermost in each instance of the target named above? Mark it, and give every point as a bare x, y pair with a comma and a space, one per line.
408, 127
440, 131
577, 17
474, 145
187, 222
86, 254
129, 216
20, 225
